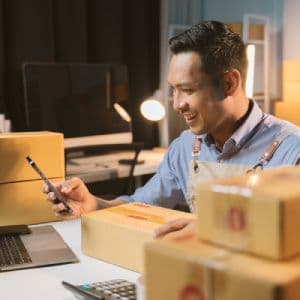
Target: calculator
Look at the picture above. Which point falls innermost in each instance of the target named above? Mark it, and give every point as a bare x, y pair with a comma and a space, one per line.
116, 289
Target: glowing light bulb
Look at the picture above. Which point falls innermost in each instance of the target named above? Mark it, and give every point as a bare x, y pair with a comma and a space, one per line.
152, 110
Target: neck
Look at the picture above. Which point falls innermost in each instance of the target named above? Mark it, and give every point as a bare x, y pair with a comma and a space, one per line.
228, 127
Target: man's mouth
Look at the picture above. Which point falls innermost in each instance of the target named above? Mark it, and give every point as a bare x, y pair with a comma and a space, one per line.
189, 116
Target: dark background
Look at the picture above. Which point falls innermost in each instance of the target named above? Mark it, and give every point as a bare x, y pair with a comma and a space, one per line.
81, 31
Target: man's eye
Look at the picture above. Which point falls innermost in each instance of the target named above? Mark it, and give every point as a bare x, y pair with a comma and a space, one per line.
171, 91
187, 91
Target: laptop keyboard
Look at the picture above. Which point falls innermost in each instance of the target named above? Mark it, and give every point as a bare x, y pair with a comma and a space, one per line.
12, 251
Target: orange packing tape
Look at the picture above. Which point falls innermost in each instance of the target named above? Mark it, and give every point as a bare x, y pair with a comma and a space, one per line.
137, 214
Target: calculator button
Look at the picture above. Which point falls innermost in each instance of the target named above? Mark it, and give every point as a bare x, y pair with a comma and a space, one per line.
115, 297
85, 286
107, 293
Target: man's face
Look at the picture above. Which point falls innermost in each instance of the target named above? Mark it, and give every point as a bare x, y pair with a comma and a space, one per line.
194, 95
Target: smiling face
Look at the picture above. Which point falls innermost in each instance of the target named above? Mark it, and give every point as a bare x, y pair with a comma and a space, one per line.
195, 96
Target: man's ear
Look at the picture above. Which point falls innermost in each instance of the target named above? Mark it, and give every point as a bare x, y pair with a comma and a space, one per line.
232, 80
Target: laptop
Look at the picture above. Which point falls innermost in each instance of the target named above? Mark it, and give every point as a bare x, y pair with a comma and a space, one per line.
37, 247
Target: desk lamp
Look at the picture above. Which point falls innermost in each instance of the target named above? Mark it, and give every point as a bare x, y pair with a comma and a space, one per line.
152, 109
136, 146
123, 114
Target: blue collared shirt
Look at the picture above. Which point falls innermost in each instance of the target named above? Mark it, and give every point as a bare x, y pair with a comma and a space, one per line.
168, 186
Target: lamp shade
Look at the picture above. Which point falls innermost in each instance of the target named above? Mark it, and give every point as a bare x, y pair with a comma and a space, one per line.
122, 112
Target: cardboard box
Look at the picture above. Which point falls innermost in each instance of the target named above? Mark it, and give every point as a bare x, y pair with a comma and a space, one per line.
185, 268
21, 197
256, 31
288, 108
256, 212
45, 148
118, 234
24, 203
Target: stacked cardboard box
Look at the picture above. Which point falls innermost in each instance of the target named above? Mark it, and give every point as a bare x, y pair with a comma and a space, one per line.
118, 234
257, 213
21, 197
238, 217
186, 268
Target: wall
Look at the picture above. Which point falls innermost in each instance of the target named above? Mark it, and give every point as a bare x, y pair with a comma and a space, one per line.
289, 107
233, 11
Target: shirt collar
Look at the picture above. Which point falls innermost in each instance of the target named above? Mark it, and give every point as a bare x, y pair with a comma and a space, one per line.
243, 133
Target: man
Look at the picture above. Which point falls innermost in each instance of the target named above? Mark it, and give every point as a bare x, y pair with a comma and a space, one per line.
206, 75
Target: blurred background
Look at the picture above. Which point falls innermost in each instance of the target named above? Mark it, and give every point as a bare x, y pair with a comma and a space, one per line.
134, 34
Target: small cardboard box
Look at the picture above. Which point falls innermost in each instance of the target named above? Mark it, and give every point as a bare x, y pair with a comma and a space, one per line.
118, 234
21, 197
256, 31
24, 203
186, 268
256, 212
45, 148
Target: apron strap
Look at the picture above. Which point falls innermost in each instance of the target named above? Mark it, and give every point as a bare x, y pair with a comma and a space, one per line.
196, 151
268, 154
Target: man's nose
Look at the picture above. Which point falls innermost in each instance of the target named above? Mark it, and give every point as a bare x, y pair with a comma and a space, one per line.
179, 104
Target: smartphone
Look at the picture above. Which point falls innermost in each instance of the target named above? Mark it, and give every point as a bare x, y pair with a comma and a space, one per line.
51, 187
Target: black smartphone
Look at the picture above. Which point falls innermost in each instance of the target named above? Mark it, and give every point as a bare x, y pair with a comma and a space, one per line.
51, 187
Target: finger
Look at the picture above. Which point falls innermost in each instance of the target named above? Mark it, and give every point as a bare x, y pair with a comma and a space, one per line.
165, 229
51, 197
70, 185
58, 208
45, 187
171, 226
60, 211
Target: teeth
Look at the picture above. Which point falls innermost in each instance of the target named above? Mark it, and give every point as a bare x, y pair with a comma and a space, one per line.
190, 115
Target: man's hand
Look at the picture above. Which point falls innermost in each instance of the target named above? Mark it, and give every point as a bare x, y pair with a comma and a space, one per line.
77, 196
181, 224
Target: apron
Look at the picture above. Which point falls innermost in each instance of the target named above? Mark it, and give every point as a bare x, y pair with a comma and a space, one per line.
201, 171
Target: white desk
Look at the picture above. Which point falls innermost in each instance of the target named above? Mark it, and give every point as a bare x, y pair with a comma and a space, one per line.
45, 283
105, 167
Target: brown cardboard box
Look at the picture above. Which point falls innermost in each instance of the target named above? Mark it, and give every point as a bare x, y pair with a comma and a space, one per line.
256, 31
118, 234
288, 108
24, 203
21, 197
256, 212
185, 268
45, 148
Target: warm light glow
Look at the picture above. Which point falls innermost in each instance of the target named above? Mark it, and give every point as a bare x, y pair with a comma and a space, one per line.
253, 180
250, 71
152, 110
122, 112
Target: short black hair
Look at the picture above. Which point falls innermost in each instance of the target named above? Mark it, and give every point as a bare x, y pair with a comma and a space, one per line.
219, 48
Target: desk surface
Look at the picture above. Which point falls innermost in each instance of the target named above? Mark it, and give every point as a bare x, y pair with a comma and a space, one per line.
105, 167
45, 283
